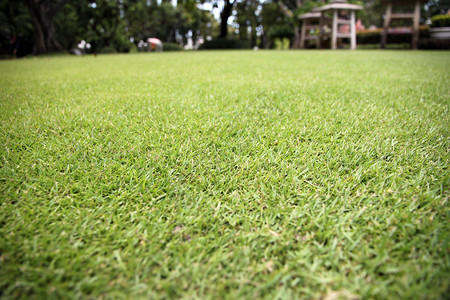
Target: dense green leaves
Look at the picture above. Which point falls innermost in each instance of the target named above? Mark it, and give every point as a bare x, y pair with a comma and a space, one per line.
108, 25
440, 21
120, 25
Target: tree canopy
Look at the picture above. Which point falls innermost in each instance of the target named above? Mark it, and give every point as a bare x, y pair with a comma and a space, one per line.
43, 26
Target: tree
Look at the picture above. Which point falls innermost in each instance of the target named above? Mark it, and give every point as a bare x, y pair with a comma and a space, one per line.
100, 20
248, 20
42, 13
224, 16
196, 23
436, 7
271, 16
167, 22
16, 29
292, 9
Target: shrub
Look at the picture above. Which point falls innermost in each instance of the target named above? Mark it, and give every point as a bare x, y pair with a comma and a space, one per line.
440, 21
222, 44
134, 48
369, 36
373, 36
172, 47
440, 44
120, 44
282, 44
107, 50
281, 31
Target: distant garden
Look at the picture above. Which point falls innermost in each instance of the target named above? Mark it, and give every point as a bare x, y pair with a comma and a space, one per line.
111, 26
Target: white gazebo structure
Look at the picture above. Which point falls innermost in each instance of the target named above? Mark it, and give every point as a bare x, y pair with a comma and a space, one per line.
310, 22
342, 14
415, 6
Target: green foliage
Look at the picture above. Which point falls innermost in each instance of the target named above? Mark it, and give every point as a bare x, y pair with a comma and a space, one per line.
109, 24
282, 43
442, 44
15, 21
372, 13
307, 6
369, 37
121, 43
248, 19
172, 47
197, 22
112, 23
107, 50
67, 26
281, 31
134, 48
212, 175
374, 36
163, 20
103, 24
437, 7
271, 16
222, 44
440, 21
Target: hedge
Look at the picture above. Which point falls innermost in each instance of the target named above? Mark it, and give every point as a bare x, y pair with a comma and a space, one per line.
373, 36
440, 21
223, 44
172, 47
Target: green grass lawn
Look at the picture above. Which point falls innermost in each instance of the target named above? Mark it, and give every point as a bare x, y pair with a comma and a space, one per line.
296, 174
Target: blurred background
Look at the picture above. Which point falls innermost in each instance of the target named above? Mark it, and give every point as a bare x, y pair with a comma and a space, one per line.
122, 26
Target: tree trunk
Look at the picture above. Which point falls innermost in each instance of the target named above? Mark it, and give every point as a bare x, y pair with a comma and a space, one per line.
266, 41
42, 14
39, 43
253, 37
288, 13
296, 44
224, 15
